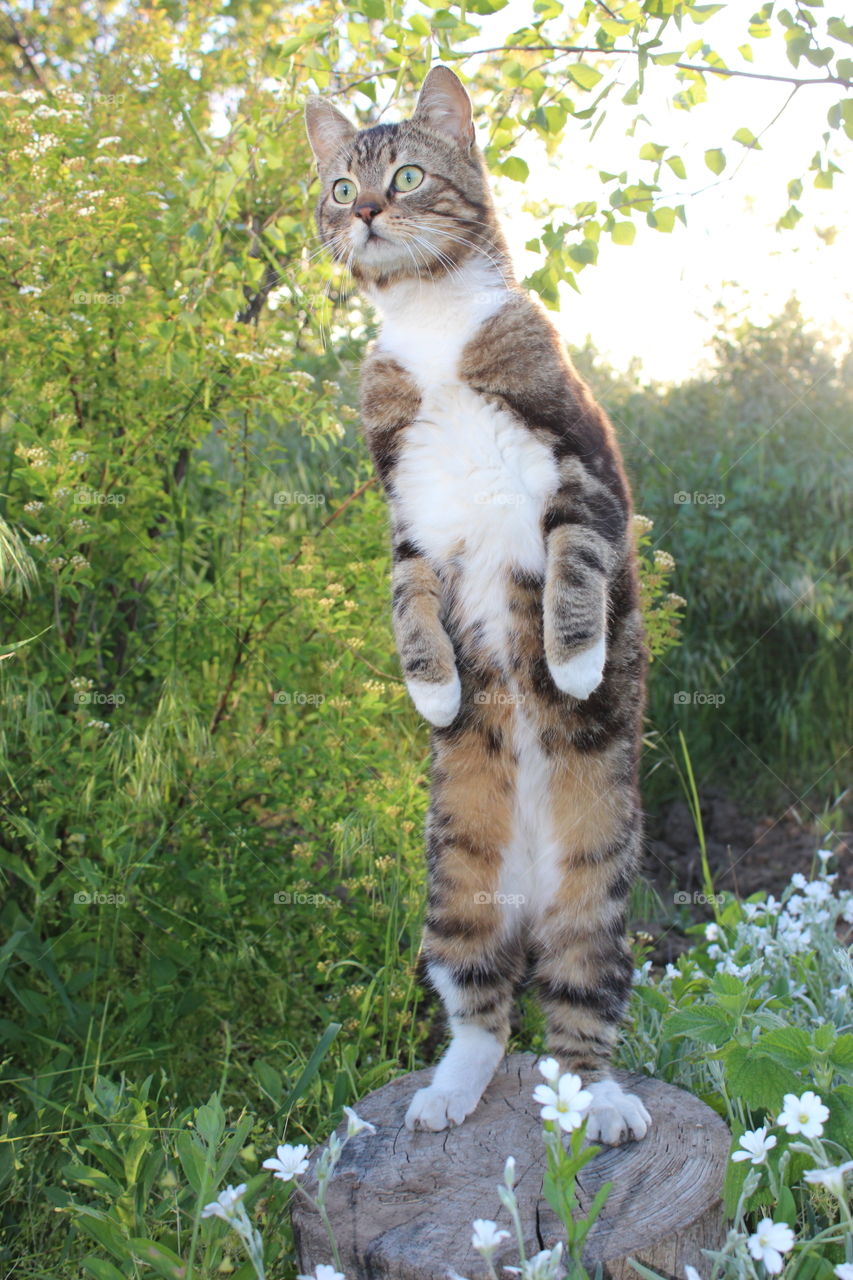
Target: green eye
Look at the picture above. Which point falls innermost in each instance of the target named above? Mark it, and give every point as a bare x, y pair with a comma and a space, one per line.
407, 178
343, 191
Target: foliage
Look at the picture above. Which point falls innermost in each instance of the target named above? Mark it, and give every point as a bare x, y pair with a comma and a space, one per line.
213, 784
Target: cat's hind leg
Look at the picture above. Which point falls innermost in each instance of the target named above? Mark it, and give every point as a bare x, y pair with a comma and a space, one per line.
472, 959
584, 971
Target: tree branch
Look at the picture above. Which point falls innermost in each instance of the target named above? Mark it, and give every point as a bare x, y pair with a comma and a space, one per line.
797, 82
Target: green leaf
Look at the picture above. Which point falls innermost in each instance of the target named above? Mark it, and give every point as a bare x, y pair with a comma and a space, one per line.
585, 76
708, 1024
95, 1178
840, 31
666, 59
715, 160
101, 1269
652, 151
795, 189
702, 12
789, 1045
162, 1260
676, 164
757, 1080
311, 1069
841, 1054
662, 219
624, 233
515, 168
747, 139
745, 51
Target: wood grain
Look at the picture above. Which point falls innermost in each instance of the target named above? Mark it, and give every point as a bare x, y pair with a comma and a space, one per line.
402, 1203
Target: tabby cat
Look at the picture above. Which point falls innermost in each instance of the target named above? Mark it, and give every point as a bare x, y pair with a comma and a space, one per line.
515, 604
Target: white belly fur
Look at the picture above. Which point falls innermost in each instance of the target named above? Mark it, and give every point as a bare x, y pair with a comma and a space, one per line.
471, 484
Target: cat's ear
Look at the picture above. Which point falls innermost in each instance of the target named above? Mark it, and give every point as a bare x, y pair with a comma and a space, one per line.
445, 108
328, 130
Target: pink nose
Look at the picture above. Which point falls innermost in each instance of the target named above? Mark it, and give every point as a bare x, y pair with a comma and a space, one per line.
366, 210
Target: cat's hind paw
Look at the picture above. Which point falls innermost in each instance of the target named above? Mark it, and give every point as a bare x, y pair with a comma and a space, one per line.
437, 703
582, 674
435, 1108
615, 1116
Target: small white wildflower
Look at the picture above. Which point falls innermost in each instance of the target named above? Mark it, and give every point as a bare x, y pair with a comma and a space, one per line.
288, 1162
226, 1205
323, 1272
839, 993
832, 1178
86, 211
487, 1237
769, 1242
39, 539
804, 1115
79, 455
567, 1104
550, 1069
643, 524
825, 855
131, 159
798, 880
664, 561
755, 1145
34, 507
509, 1172
691, 1273
545, 1266
107, 142
712, 933
844, 1271
356, 1125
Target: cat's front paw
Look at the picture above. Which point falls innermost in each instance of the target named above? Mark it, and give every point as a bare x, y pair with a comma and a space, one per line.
615, 1116
435, 1108
582, 674
437, 703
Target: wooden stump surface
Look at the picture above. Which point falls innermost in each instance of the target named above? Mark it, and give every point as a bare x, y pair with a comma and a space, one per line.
402, 1203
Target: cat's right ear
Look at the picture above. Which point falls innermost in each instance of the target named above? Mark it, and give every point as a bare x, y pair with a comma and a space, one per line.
328, 130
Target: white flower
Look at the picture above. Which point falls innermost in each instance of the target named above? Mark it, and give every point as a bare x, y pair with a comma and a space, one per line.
288, 1162
798, 880
226, 1205
804, 1115
550, 1069
824, 855
487, 1237
755, 1146
832, 1178
356, 1125
567, 1104
509, 1172
844, 1271
712, 932
769, 1242
691, 1273
323, 1272
545, 1266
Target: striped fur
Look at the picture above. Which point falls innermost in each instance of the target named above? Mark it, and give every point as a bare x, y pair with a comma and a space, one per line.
515, 606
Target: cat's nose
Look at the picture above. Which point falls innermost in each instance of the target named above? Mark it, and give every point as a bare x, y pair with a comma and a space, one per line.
367, 210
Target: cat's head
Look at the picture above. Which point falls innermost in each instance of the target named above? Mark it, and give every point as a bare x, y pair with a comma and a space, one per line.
404, 200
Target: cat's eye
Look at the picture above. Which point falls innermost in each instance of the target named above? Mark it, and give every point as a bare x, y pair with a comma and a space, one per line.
344, 191
407, 178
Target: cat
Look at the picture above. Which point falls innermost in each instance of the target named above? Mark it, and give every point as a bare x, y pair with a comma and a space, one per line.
514, 604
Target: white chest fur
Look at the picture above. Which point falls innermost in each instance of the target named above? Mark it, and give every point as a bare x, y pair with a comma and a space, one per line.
470, 481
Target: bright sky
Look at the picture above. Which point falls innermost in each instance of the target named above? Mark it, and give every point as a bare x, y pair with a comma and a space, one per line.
654, 300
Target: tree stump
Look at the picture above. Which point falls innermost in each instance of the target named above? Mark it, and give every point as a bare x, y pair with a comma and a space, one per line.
402, 1204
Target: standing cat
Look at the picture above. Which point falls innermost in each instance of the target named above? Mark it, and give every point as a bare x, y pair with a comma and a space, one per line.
515, 603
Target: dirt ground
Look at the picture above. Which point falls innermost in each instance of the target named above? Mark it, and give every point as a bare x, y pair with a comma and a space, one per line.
746, 855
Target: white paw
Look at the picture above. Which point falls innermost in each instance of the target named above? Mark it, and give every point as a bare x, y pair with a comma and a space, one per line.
614, 1115
581, 675
437, 703
436, 1108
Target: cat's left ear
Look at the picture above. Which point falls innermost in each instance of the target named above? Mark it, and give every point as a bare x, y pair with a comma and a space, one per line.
328, 130
445, 108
